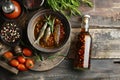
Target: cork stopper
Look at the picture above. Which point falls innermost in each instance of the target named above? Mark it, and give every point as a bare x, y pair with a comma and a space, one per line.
87, 16
85, 22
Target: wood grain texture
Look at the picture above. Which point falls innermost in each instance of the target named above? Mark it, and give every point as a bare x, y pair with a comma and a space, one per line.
100, 70
98, 21
105, 42
55, 60
105, 31
104, 13
8, 67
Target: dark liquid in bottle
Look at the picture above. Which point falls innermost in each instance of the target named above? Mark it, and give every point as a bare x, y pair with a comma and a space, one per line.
82, 56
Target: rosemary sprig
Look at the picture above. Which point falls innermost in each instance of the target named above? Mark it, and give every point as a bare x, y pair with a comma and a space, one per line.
50, 23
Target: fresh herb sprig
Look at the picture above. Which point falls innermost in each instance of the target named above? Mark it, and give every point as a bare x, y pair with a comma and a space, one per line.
50, 22
67, 6
56, 55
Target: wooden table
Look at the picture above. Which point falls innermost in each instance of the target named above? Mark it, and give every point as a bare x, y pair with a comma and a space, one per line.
101, 69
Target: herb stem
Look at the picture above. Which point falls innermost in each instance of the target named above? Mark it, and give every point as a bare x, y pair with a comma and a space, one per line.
70, 5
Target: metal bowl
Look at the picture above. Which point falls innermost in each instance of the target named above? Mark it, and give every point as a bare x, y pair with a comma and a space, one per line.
31, 27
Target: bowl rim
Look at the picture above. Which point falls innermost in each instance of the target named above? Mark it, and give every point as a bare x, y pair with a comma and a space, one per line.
34, 8
31, 38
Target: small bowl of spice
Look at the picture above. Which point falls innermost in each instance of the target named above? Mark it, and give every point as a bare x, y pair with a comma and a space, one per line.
10, 33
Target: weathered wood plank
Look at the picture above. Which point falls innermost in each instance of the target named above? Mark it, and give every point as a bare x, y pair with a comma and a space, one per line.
8, 67
106, 42
97, 21
100, 70
104, 13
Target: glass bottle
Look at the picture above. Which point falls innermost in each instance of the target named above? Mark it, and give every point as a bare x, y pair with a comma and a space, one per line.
83, 46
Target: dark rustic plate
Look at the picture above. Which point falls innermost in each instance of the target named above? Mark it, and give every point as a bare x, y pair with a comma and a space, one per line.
32, 23
52, 60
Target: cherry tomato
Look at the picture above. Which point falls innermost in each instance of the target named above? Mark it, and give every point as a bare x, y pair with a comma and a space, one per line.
16, 12
21, 59
21, 67
8, 55
29, 63
14, 63
27, 52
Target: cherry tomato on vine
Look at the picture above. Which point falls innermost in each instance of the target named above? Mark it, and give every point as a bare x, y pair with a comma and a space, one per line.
21, 59
21, 67
8, 55
29, 63
14, 63
27, 52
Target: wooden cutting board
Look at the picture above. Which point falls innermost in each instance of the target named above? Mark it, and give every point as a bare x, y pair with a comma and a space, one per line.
53, 60
8, 67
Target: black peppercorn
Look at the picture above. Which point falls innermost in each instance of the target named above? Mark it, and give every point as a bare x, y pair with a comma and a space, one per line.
10, 32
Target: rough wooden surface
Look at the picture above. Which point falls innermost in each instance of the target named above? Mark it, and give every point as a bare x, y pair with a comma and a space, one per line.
100, 70
8, 67
104, 13
105, 42
55, 60
105, 30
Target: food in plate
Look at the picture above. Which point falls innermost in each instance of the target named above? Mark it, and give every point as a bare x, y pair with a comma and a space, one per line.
49, 31
43, 31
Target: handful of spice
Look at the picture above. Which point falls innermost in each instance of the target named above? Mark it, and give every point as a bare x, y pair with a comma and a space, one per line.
10, 33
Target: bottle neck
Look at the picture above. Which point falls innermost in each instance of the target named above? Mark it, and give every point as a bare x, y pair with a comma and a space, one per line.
85, 24
86, 28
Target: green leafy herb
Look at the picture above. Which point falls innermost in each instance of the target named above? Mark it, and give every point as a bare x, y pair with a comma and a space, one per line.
67, 6
38, 57
89, 3
57, 55
50, 22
